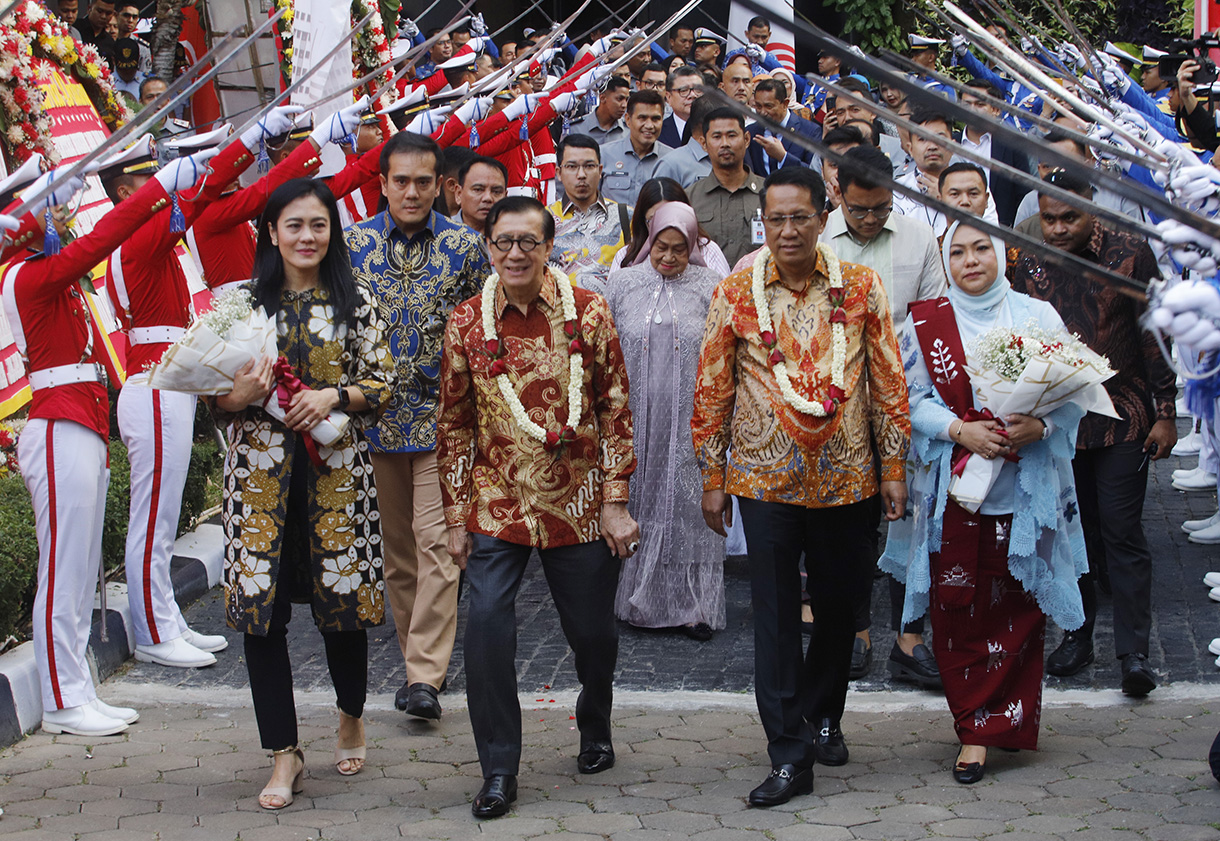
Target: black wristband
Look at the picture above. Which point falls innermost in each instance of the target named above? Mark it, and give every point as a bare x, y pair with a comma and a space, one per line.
344, 399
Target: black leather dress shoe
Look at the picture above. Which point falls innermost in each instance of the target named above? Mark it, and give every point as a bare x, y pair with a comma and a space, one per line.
595, 757
861, 659
918, 667
829, 747
784, 783
968, 773
422, 702
1072, 655
493, 799
1138, 677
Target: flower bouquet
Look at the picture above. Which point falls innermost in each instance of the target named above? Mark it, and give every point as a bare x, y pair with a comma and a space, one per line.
216, 346
1031, 372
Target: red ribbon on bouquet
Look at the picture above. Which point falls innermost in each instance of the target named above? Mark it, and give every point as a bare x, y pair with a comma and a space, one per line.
961, 455
287, 383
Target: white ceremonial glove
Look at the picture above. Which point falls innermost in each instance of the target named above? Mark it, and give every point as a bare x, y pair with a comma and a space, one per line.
756, 53
1027, 46
566, 101
601, 45
522, 105
340, 124
64, 189
479, 44
1190, 311
409, 28
1111, 139
427, 122
184, 172
276, 121
1191, 248
475, 108
1113, 77
959, 43
8, 223
1196, 188
1070, 57
477, 25
546, 55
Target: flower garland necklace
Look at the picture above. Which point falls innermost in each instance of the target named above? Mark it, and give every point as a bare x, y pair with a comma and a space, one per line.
550, 439
837, 294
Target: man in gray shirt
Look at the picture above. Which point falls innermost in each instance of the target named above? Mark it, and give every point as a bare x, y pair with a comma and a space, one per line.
605, 122
629, 162
689, 162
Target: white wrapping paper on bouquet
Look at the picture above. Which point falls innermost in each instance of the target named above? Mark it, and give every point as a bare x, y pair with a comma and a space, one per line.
206, 362
1046, 383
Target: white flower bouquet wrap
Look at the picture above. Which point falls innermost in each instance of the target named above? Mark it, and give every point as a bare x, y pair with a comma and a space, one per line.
1031, 372
217, 345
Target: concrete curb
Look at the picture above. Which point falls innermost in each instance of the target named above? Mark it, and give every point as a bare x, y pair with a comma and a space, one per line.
196, 568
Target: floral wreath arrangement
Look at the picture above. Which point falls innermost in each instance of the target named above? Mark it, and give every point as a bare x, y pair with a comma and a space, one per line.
551, 440
8, 449
370, 49
35, 33
838, 320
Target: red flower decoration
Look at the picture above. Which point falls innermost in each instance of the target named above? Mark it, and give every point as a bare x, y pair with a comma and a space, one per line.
569, 329
837, 296
829, 406
552, 441
493, 346
576, 346
767, 338
836, 394
838, 316
776, 357
498, 367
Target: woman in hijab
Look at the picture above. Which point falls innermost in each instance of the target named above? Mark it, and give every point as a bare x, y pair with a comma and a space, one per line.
660, 303
990, 579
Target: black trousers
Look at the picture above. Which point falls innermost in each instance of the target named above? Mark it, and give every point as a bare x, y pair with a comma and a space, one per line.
270, 672
1110, 488
791, 685
583, 580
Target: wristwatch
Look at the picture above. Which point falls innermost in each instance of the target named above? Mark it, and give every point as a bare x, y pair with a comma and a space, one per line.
344, 399
1046, 429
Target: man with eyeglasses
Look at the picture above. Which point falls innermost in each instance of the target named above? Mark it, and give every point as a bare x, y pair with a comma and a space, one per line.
533, 460
802, 379
689, 162
903, 252
129, 19
652, 78
727, 201
605, 122
631, 161
589, 228
420, 265
682, 87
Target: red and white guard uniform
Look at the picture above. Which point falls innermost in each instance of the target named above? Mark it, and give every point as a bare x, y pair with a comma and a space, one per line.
150, 294
62, 451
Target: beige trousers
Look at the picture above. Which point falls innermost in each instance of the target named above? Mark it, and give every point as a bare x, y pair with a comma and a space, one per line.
421, 579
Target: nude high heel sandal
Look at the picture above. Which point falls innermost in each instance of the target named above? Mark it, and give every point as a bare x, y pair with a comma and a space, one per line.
284, 793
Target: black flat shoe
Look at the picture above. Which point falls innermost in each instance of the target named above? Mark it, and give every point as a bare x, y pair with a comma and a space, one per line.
493, 799
829, 747
422, 702
784, 783
1072, 655
595, 757
919, 667
700, 631
861, 659
1138, 677
969, 773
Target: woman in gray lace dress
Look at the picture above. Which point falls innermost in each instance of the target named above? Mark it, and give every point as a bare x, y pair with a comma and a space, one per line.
660, 303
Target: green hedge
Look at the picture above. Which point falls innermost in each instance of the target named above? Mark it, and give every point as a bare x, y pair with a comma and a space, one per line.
19, 544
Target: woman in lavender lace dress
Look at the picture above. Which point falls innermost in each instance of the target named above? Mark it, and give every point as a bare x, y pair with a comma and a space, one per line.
660, 302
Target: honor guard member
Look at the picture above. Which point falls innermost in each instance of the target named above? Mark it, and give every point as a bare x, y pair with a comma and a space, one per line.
925, 52
708, 50
148, 289
17, 242
62, 450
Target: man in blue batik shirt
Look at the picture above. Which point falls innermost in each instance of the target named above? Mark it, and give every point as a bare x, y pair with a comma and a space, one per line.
420, 266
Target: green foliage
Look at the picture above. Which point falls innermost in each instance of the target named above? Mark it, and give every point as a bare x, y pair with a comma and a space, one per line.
870, 24
118, 508
18, 555
206, 464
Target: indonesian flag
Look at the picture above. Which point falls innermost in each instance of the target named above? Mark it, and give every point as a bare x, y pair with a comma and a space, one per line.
781, 45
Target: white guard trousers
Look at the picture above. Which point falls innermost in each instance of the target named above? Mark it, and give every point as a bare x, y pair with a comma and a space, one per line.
64, 465
157, 427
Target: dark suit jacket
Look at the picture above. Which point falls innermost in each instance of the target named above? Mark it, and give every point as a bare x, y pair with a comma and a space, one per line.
1005, 191
797, 155
670, 135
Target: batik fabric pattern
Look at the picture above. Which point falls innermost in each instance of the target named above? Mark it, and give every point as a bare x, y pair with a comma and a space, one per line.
495, 479
585, 243
778, 453
344, 531
417, 282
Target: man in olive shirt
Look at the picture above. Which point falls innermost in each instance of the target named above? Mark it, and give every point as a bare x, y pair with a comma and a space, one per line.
727, 202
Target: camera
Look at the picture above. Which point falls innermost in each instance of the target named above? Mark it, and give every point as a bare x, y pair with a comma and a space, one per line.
1196, 50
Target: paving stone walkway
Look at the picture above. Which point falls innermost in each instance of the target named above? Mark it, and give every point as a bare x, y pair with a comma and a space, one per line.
188, 771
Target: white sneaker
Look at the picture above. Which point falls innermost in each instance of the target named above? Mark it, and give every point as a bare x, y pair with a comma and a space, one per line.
1212, 579
81, 721
1208, 537
1214, 646
212, 642
1180, 405
1188, 445
177, 652
1184, 472
124, 714
1214, 594
1199, 480
1218, 661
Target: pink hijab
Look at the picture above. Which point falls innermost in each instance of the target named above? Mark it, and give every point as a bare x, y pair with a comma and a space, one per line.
674, 214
